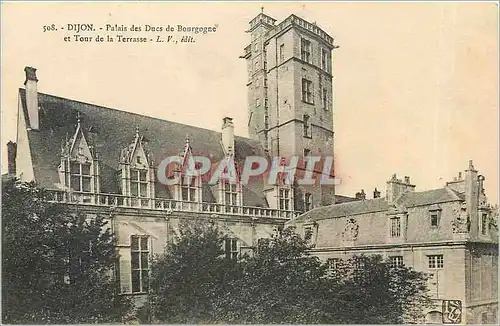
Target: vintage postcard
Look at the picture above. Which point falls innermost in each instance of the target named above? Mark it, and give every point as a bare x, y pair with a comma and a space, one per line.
249, 162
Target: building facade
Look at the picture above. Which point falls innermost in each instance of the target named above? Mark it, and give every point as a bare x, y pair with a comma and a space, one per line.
446, 233
106, 161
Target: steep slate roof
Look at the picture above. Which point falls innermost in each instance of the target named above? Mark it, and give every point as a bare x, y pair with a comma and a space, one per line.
114, 130
407, 200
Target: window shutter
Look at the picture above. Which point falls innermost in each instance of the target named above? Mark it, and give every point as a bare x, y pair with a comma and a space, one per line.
125, 275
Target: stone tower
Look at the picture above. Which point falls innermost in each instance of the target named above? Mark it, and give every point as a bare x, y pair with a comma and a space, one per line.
290, 93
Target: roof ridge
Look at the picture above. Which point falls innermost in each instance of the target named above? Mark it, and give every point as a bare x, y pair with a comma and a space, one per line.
453, 192
133, 113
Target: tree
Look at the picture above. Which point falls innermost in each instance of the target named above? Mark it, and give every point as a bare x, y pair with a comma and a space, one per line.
282, 283
194, 282
191, 275
56, 262
372, 291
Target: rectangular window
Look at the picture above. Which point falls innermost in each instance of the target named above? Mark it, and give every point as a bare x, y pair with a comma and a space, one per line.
188, 189
308, 233
308, 203
231, 248
484, 223
434, 219
325, 98
305, 50
230, 193
307, 126
282, 53
139, 250
333, 264
396, 261
307, 152
80, 177
307, 91
325, 60
395, 227
138, 183
284, 199
435, 261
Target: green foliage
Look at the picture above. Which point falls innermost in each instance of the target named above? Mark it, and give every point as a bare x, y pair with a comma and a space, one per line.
56, 263
373, 292
193, 282
191, 275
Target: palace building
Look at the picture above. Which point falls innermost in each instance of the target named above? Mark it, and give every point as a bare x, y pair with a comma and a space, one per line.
446, 233
105, 161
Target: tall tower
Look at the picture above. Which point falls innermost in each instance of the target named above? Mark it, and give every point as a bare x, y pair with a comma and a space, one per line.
290, 93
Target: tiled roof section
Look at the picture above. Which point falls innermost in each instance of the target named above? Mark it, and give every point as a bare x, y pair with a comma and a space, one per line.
339, 199
114, 130
355, 207
345, 209
429, 197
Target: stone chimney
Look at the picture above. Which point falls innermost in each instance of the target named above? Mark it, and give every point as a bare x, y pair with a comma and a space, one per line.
396, 187
11, 158
471, 186
361, 195
376, 193
228, 135
32, 97
458, 184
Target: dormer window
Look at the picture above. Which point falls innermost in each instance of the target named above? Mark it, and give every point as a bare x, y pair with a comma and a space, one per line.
188, 189
79, 167
138, 183
395, 227
80, 177
434, 216
230, 193
136, 172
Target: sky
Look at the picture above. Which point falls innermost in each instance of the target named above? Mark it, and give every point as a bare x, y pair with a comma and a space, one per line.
416, 84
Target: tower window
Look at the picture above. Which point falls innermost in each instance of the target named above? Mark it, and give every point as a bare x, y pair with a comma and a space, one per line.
307, 127
325, 60
282, 52
484, 223
307, 91
305, 50
325, 98
284, 199
308, 204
